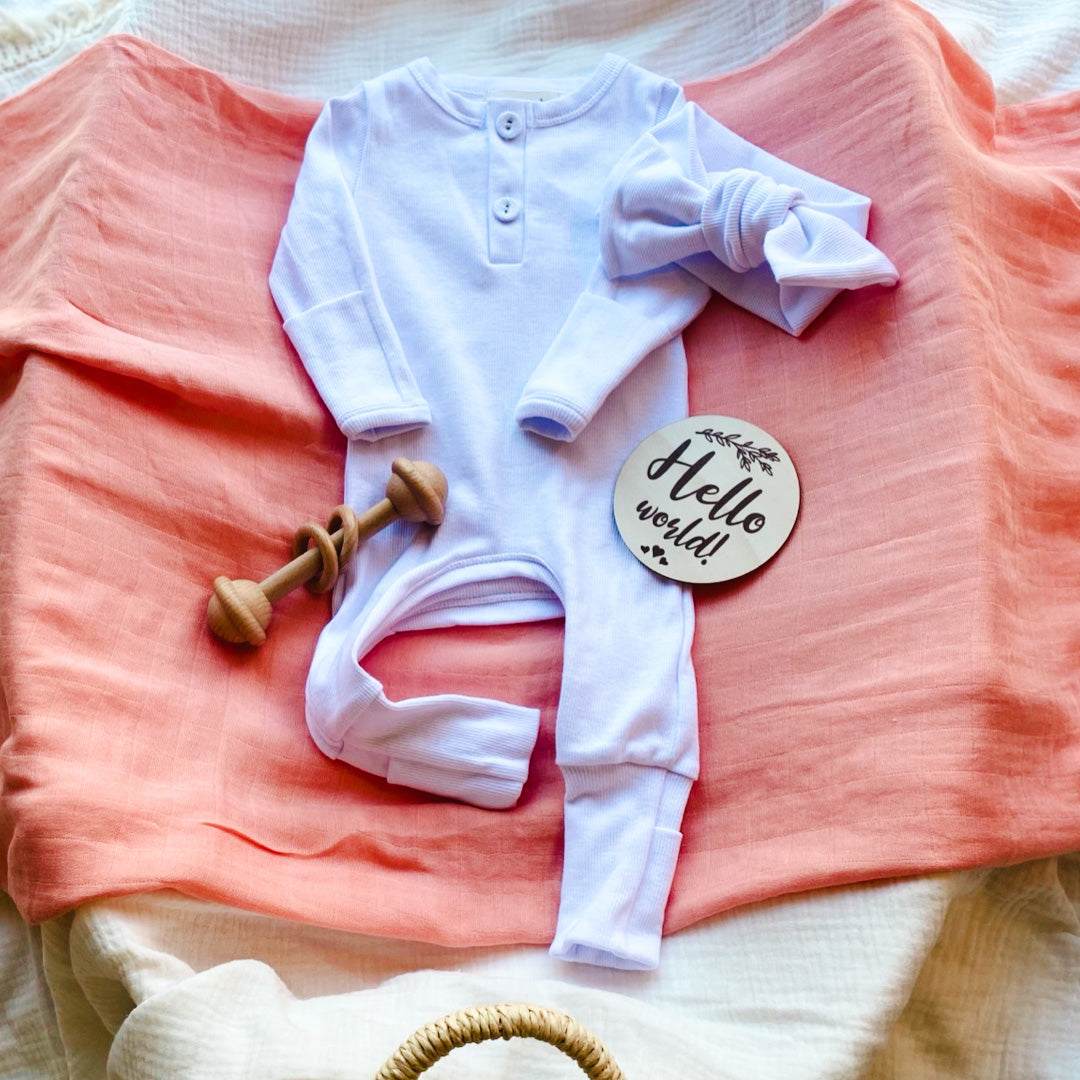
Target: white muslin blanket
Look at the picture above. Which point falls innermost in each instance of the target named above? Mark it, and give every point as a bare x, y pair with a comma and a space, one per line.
316, 48
953, 977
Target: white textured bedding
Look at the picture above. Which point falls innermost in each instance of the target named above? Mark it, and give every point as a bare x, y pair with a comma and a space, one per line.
321, 47
967, 975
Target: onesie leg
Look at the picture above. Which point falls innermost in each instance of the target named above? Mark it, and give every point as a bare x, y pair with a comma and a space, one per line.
473, 749
626, 739
622, 843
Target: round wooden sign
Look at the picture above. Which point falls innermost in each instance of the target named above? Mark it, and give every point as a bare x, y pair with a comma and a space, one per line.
707, 499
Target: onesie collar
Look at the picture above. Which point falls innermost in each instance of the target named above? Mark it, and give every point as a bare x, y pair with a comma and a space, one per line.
471, 105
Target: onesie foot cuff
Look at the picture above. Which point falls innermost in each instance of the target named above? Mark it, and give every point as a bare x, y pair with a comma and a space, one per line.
487, 790
473, 749
481, 756
622, 844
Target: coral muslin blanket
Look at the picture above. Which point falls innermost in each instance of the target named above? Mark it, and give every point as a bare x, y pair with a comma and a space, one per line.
896, 692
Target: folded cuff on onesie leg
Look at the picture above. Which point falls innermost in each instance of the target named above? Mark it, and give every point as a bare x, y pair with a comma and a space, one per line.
492, 779
622, 843
472, 749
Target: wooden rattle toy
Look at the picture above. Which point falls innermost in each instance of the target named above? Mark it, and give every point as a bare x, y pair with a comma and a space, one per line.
239, 611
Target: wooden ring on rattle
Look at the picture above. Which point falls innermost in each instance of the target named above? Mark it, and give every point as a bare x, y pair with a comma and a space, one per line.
343, 518
328, 567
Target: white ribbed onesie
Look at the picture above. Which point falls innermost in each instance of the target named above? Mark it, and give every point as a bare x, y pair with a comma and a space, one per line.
440, 275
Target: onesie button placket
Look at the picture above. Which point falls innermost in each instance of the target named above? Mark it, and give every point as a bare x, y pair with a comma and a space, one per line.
507, 139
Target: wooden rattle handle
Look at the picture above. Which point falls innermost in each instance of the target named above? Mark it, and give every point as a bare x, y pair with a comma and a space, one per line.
239, 611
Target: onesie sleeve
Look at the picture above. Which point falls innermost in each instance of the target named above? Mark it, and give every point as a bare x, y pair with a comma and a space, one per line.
691, 207
325, 288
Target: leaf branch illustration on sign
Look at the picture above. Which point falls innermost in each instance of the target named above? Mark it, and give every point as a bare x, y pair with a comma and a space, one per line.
747, 452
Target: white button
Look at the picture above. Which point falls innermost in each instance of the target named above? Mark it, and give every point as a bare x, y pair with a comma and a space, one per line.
508, 125
506, 209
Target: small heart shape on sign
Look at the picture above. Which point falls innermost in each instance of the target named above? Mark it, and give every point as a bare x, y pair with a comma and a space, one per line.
663, 562
656, 550
645, 549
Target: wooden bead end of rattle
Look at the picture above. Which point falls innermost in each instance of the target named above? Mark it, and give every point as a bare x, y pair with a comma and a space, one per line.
417, 490
238, 612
